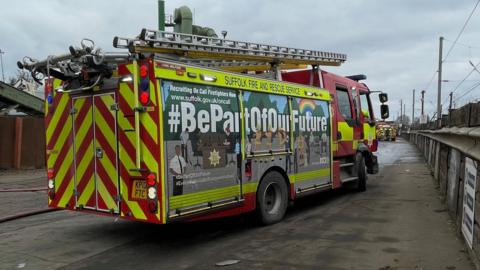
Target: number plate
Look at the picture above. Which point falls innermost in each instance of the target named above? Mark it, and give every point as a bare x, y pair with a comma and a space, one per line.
139, 189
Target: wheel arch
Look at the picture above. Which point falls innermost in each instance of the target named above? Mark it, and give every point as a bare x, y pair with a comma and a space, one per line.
285, 178
366, 153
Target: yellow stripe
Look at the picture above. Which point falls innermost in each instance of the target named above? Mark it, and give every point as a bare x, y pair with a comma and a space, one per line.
149, 125
112, 177
65, 166
105, 129
81, 132
127, 94
149, 159
107, 198
61, 141
67, 194
87, 192
137, 212
153, 95
81, 168
250, 187
312, 174
56, 116
203, 197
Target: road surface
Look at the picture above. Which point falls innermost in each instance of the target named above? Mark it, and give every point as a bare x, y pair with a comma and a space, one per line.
398, 223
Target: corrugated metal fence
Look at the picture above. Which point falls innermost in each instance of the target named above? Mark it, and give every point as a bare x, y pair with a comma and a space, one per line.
22, 142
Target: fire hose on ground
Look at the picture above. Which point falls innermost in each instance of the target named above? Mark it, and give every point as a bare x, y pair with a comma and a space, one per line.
27, 214
24, 189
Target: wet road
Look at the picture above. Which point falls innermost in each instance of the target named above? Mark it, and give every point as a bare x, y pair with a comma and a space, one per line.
398, 223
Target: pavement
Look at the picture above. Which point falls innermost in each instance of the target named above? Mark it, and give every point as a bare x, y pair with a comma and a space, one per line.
398, 223
15, 202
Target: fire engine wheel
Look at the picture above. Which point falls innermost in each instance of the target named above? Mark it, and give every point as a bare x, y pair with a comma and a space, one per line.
361, 184
272, 198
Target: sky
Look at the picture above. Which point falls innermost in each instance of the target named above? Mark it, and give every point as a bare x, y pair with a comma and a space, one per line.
394, 42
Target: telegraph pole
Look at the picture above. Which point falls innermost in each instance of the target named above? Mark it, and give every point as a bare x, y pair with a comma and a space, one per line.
450, 106
1, 62
413, 106
439, 95
401, 111
423, 99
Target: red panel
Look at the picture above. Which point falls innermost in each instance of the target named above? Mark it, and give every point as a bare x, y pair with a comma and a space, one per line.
336, 174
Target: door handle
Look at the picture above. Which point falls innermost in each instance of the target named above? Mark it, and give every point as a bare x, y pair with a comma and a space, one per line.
99, 152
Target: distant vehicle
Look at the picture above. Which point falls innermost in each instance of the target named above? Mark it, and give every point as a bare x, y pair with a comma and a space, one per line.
144, 137
386, 132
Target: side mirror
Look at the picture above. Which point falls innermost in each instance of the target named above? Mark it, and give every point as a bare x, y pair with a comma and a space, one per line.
383, 97
384, 111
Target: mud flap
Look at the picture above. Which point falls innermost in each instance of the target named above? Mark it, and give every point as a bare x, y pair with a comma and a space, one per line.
372, 164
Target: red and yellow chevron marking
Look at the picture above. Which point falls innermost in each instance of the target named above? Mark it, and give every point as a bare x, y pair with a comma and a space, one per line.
148, 144
84, 152
59, 147
96, 177
106, 166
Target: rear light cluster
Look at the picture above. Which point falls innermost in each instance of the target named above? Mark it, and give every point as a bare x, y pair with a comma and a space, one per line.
152, 196
144, 93
51, 184
49, 91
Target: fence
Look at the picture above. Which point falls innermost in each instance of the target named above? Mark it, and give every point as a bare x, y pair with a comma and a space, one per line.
466, 116
22, 142
449, 152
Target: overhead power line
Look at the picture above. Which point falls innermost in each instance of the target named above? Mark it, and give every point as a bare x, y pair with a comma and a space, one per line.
463, 44
431, 80
461, 31
467, 92
463, 80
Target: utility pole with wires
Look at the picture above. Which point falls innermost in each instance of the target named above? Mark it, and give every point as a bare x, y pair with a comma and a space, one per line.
1, 62
450, 105
439, 95
413, 106
423, 100
401, 111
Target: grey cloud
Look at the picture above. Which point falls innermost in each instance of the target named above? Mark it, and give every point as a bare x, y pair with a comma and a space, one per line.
394, 42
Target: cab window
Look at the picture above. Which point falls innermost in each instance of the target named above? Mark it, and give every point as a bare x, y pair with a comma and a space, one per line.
344, 105
365, 105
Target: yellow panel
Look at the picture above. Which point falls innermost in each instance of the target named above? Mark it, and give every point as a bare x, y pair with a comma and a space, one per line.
346, 130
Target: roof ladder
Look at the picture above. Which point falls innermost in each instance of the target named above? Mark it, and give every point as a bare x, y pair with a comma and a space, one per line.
219, 50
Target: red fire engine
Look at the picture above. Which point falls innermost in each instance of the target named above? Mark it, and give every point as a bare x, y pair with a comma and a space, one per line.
165, 131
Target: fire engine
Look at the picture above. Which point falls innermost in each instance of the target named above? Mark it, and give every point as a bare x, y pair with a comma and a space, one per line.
167, 130
386, 131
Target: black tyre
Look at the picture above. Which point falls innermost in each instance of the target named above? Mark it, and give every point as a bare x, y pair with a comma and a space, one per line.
361, 184
272, 198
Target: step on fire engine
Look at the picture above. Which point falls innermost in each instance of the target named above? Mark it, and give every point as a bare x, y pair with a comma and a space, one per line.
166, 131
